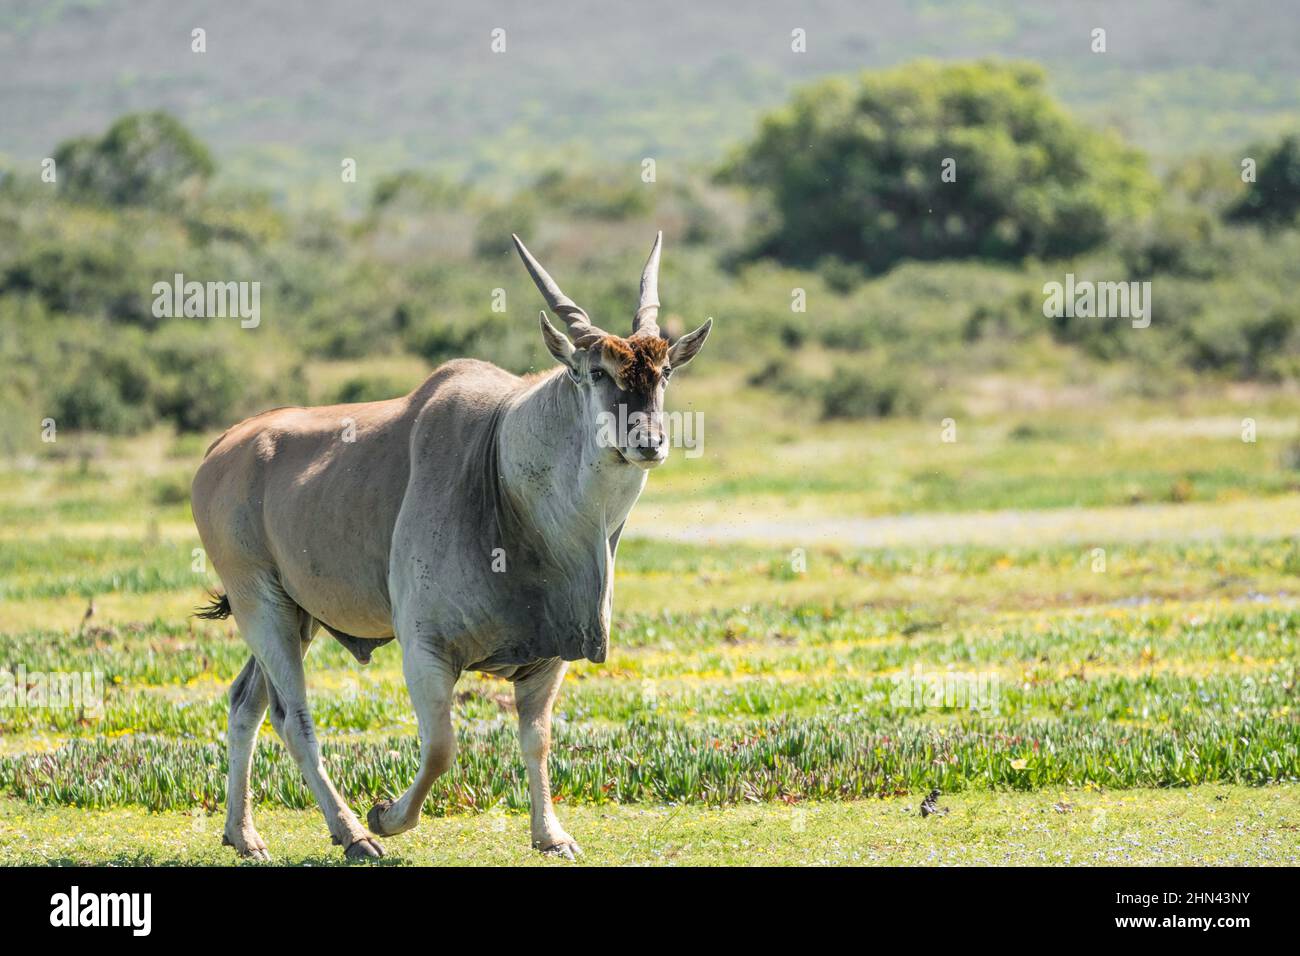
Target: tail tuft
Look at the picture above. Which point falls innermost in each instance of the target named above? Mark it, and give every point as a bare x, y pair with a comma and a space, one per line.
217, 610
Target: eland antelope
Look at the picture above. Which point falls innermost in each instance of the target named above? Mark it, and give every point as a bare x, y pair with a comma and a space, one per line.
475, 520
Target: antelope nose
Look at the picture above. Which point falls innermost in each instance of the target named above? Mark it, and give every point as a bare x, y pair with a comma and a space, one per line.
651, 445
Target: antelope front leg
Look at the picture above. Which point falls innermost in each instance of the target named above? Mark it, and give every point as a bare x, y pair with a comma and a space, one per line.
431, 682
534, 696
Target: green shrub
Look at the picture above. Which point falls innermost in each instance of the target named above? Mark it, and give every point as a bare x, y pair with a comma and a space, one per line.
83, 277
853, 392
598, 195
437, 340
368, 388
199, 385
874, 387
419, 192
169, 490
1245, 345
105, 385
492, 236
1274, 198
1180, 241
93, 404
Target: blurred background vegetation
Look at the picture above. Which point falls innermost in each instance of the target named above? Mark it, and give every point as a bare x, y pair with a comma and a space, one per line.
774, 184
286, 88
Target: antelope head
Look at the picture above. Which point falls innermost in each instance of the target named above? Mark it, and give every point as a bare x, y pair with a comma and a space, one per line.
621, 380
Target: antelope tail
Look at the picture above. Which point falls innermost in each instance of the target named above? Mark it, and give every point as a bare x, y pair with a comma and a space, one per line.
218, 609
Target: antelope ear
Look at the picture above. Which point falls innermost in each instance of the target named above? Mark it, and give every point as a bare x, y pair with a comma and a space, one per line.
685, 348
557, 343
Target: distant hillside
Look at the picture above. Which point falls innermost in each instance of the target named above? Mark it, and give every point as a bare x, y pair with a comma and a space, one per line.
286, 89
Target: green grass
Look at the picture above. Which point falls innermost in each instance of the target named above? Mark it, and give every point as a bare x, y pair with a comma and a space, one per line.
769, 701
654, 759
1216, 826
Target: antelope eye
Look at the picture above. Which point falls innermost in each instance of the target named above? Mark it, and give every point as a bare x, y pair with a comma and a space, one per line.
597, 375
667, 373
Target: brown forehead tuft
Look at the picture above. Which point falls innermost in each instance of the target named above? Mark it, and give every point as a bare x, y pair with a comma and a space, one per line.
635, 361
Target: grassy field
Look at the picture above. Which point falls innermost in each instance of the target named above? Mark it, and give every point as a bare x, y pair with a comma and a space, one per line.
794, 666
1221, 825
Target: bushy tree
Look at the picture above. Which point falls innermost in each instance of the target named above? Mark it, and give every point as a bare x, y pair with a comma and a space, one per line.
145, 159
855, 169
1274, 198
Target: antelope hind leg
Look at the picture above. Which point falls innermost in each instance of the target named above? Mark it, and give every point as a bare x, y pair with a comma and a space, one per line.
278, 630
248, 702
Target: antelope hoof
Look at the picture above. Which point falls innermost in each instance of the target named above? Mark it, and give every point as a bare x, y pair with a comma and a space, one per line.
375, 818
367, 848
248, 846
565, 849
